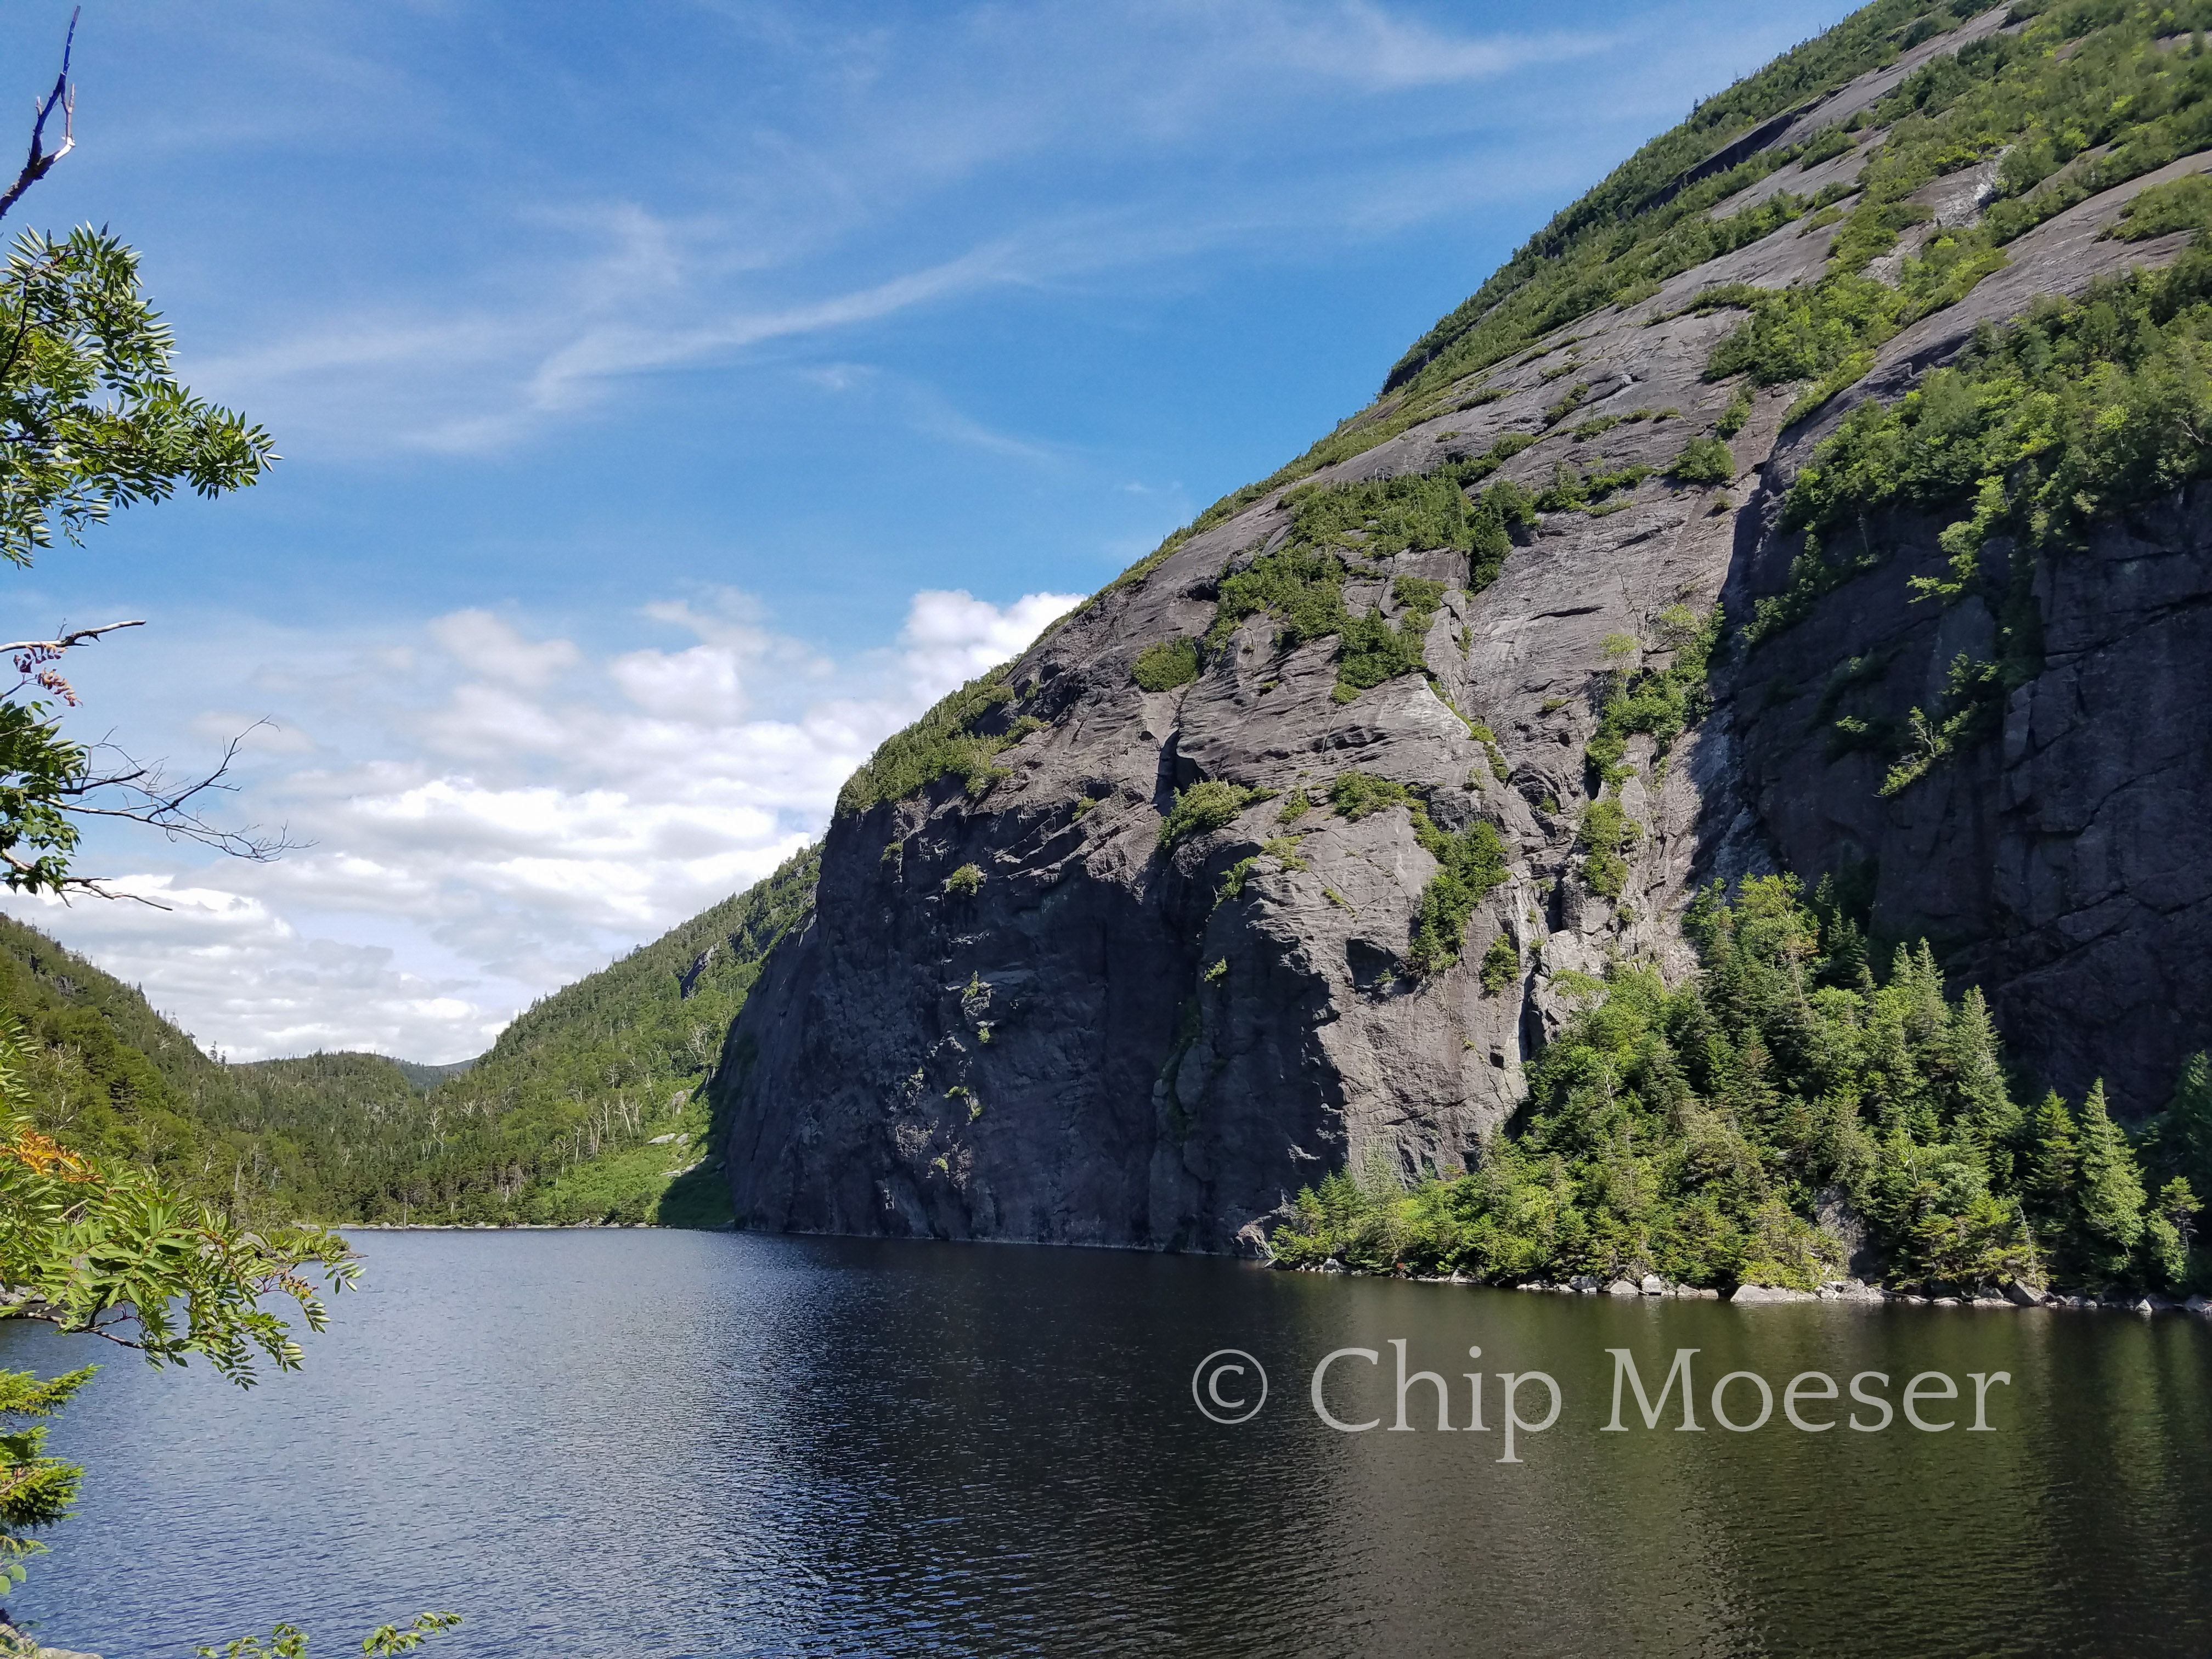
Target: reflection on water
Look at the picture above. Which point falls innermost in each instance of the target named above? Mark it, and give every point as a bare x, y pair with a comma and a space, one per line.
671, 1444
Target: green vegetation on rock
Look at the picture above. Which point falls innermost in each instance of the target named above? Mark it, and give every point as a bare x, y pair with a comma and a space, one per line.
943, 742
1647, 220
1501, 965
1301, 583
1703, 461
1716, 1133
1606, 833
2078, 407
1165, 666
1373, 651
2088, 96
1205, 807
1470, 866
1658, 701
1574, 491
2116, 98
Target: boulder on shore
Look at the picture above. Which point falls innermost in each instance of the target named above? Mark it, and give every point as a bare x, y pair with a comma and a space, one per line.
1749, 1293
13, 1641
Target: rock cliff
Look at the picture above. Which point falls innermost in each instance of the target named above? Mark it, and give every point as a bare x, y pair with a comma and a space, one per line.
1038, 1000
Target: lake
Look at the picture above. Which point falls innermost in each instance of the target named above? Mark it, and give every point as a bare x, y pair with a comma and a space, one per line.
666, 1443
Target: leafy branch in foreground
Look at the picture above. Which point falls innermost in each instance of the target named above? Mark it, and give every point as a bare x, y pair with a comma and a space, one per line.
92, 416
290, 1642
35, 1490
113, 1253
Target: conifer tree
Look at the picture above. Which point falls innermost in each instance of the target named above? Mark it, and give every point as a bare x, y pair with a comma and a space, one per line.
2049, 1161
2170, 1231
2181, 1139
1981, 1102
2110, 1200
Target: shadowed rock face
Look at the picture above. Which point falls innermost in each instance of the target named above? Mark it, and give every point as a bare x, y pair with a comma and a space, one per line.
1104, 1043
2067, 867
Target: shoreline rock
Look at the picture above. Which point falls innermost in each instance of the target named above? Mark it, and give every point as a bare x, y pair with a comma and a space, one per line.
14, 1642
2010, 1297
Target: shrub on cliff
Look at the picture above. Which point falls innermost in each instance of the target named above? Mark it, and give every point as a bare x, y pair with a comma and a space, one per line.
1165, 666
1703, 461
1205, 807
942, 741
1606, 834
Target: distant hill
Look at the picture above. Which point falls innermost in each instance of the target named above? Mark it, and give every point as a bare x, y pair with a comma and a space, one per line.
589, 1106
427, 1078
107, 1074
586, 1109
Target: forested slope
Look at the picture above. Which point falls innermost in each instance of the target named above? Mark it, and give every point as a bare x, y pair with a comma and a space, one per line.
583, 1111
589, 1107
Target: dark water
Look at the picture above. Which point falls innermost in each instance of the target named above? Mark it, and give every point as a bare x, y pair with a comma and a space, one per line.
662, 1444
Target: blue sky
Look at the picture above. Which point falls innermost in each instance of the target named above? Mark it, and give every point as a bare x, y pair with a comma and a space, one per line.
675, 398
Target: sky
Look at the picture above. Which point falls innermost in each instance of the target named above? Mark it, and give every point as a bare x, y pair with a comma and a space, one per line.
675, 398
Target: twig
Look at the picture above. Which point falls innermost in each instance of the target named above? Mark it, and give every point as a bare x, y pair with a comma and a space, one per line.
42, 160
150, 798
61, 886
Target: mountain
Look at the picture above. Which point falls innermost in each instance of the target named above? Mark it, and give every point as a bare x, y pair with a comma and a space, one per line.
427, 1078
586, 1109
1817, 495
101, 1069
589, 1105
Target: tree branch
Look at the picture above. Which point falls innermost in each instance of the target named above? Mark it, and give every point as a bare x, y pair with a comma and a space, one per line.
47, 650
42, 160
152, 798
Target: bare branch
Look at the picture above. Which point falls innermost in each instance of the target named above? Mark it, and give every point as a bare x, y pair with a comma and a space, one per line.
74, 636
62, 887
63, 97
30, 654
46, 1314
148, 795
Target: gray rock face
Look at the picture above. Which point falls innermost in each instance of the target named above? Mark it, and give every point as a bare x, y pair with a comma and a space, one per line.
1113, 1044
2067, 869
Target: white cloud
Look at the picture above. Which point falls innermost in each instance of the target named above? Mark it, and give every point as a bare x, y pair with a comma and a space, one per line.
952, 637
483, 644
552, 807
245, 982
702, 684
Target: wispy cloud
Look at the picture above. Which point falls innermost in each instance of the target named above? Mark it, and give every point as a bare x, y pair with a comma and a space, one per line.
864, 143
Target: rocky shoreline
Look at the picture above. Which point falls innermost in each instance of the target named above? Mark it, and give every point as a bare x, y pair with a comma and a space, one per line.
2015, 1295
14, 1644
513, 1227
